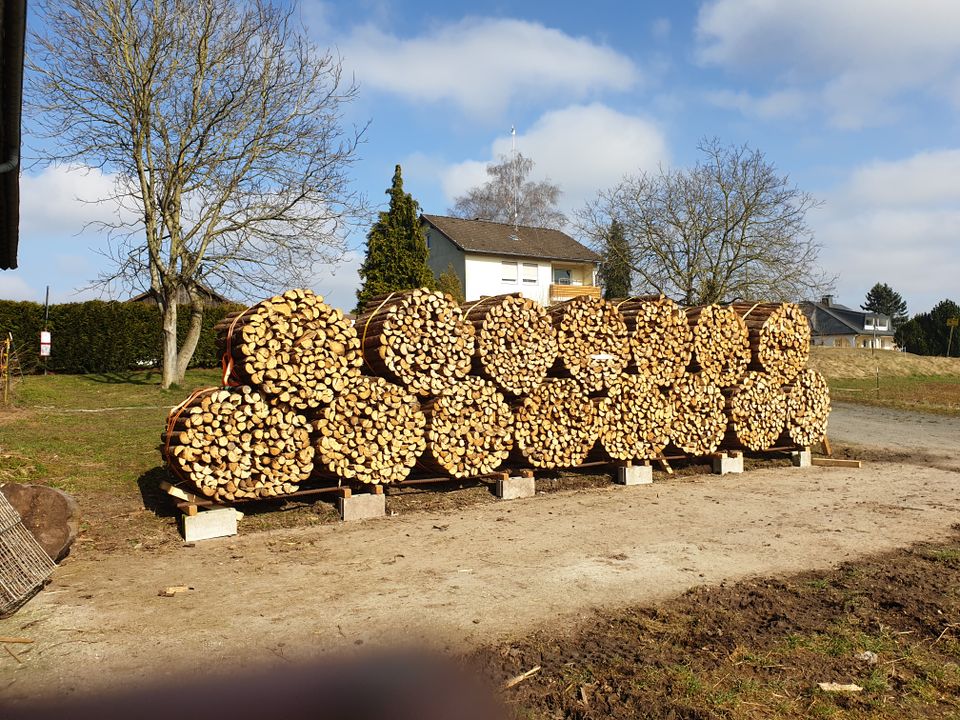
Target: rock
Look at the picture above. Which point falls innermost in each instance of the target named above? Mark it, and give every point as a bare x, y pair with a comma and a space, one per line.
52, 516
868, 656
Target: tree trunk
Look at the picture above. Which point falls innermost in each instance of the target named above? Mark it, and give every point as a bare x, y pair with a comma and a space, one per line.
185, 355
168, 355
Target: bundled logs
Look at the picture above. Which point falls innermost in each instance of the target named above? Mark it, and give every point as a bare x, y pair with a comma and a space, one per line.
370, 402
469, 429
721, 344
699, 417
232, 444
373, 432
635, 420
592, 342
758, 412
808, 408
779, 338
417, 338
292, 347
556, 425
661, 341
515, 341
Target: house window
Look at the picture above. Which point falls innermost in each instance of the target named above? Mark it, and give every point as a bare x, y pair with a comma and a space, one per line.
561, 276
868, 323
530, 273
508, 273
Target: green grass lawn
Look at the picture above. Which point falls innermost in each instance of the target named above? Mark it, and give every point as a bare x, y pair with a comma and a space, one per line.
924, 393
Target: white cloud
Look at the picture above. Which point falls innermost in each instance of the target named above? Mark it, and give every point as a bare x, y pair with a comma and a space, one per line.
481, 64
582, 148
63, 200
777, 105
895, 222
338, 284
14, 287
856, 57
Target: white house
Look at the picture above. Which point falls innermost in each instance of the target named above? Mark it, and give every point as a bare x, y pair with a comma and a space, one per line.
496, 258
835, 325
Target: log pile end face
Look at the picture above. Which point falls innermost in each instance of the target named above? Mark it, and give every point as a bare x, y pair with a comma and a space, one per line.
699, 417
592, 341
516, 342
233, 444
661, 341
758, 411
808, 408
784, 344
635, 420
372, 433
469, 429
721, 344
556, 425
297, 349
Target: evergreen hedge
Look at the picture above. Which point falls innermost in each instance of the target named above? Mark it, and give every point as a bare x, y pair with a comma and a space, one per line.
98, 336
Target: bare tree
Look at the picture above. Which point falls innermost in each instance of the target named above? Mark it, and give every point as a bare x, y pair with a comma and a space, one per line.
222, 126
728, 227
509, 197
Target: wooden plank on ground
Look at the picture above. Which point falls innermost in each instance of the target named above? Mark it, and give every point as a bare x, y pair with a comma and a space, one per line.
835, 462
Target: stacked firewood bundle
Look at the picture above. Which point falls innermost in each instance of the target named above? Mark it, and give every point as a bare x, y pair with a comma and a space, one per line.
420, 385
592, 342
417, 338
232, 444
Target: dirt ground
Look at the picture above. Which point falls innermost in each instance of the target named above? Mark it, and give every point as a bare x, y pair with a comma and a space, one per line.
478, 574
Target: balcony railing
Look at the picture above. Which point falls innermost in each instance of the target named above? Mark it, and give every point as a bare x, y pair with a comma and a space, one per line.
565, 292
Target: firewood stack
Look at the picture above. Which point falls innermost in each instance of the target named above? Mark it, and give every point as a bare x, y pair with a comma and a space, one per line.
232, 444
292, 347
592, 342
808, 408
779, 338
372, 433
555, 425
469, 429
661, 341
515, 341
635, 420
721, 344
699, 417
417, 338
757, 407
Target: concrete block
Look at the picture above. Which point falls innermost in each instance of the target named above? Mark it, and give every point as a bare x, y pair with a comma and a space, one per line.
724, 464
221, 522
801, 458
635, 475
514, 488
362, 506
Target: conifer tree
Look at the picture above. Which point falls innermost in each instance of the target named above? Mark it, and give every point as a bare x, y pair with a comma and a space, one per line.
885, 300
396, 248
449, 282
615, 268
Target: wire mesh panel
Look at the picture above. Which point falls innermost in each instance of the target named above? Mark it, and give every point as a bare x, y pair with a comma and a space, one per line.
24, 566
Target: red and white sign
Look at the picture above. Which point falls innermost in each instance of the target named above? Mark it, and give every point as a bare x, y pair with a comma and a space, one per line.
44, 343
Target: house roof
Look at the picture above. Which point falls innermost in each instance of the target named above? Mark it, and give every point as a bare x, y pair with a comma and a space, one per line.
14, 15
834, 319
482, 236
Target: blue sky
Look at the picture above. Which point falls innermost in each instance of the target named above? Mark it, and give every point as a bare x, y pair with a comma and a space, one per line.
858, 101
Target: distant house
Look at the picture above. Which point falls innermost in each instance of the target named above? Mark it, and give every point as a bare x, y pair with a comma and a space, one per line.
836, 325
496, 258
210, 297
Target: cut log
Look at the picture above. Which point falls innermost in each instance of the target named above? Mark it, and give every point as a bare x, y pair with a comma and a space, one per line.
635, 420
417, 338
592, 342
661, 341
555, 426
292, 347
808, 408
721, 344
232, 444
515, 341
469, 429
779, 338
372, 433
757, 407
699, 420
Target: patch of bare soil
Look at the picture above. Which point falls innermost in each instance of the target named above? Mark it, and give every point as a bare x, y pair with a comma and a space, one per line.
759, 648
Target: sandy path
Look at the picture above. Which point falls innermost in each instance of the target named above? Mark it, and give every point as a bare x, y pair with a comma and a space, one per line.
473, 576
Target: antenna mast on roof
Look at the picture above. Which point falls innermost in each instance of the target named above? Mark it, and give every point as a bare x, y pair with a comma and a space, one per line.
516, 179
